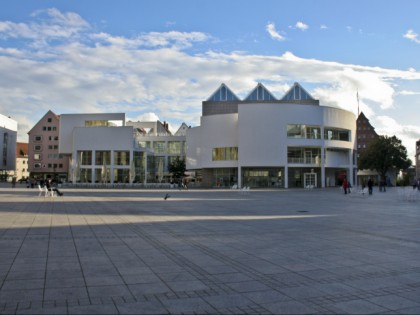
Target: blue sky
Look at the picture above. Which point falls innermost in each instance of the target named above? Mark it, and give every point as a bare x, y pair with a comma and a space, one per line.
161, 59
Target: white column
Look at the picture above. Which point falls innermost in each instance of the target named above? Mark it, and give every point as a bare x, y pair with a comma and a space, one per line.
111, 168
286, 176
145, 167
322, 167
351, 173
130, 179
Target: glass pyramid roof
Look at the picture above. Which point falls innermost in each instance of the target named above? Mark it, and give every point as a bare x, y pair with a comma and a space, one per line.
260, 93
223, 93
297, 93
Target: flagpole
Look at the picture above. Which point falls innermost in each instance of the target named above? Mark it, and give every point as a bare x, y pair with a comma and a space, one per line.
357, 102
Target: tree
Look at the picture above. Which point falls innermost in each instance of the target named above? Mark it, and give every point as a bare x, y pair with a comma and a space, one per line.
177, 168
383, 154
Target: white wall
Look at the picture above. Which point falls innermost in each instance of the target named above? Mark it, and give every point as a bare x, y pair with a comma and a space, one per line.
216, 131
103, 138
69, 121
9, 126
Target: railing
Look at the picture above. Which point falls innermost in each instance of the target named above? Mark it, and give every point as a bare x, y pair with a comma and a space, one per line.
302, 160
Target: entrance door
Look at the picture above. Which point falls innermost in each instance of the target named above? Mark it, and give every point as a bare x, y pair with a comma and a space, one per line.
309, 180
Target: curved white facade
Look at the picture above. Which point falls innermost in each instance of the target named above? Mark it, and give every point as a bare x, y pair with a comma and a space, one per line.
269, 151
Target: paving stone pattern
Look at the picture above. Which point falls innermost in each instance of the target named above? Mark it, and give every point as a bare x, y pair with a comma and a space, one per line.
127, 251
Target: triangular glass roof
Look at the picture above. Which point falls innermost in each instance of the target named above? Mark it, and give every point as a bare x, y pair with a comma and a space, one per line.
223, 93
260, 93
297, 93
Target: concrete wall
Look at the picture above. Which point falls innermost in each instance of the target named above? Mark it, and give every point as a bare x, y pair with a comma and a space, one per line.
70, 121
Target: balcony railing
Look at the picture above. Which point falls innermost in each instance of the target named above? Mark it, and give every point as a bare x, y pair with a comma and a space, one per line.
303, 160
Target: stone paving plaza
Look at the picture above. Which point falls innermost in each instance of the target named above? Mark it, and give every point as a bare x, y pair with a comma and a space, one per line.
208, 251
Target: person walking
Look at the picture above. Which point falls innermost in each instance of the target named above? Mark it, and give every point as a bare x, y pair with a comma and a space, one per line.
345, 185
370, 186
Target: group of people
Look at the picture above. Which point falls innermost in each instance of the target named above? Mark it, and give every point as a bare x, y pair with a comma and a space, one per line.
347, 186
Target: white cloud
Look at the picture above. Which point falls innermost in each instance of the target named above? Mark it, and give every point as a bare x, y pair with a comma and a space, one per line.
411, 35
154, 74
49, 24
323, 27
408, 134
405, 92
271, 29
302, 26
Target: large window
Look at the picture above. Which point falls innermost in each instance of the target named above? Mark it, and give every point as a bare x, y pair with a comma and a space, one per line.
144, 144
263, 177
225, 154
303, 131
85, 157
103, 157
336, 134
174, 147
122, 157
159, 147
302, 155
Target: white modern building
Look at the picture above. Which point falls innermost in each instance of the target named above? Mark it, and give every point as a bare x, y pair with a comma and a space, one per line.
103, 148
262, 141
8, 137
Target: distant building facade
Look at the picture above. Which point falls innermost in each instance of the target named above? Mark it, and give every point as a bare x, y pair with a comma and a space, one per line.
8, 138
22, 170
417, 159
164, 146
365, 135
103, 148
263, 141
44, 158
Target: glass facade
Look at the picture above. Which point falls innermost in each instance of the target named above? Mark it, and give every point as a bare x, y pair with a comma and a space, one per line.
121, 157
159, 147
224, 177
303, 131
85, 175
263, 177
336, 134
103, 157
85, 157
304, 155
174, 147
225, 154
121, 175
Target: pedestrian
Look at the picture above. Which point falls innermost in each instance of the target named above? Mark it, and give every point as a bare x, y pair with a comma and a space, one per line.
345, 185
51, 188
370, 186
13, 182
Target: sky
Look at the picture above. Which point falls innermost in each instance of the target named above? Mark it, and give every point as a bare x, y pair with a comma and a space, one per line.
160, 59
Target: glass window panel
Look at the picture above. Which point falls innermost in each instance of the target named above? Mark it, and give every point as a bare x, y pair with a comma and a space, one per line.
159, 147
103, 157
85, 157
121, 157
174, 147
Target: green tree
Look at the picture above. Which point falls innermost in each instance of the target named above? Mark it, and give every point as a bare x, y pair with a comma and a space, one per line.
177, 168
383, 154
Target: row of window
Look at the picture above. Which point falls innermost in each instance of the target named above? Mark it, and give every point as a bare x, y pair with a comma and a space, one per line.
104, 157
38, 147
163, 147
50, 138
53, 156
49, 128
295, 155
314, 132
50, 165
225, 154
